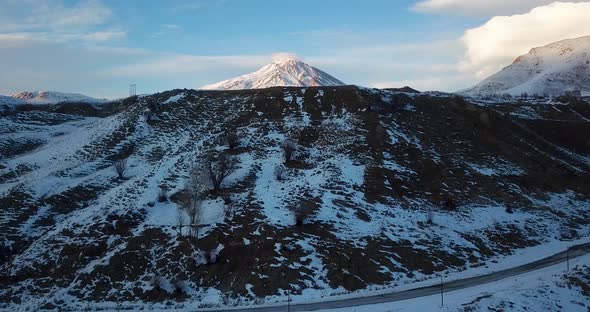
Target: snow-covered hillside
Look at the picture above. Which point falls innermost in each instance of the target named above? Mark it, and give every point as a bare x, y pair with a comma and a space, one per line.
384, 189
284, 71
9, 100
549, 289
53, 97
552, 70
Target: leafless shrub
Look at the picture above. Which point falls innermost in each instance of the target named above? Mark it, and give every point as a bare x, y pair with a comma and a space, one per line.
230, 206
221, 169
231, 210
213, 255
430, 217
308, 135
120, 167
507, 96
157, 282
226, 300
565, 233
289, 147
449, 204
226, 199
279, 172
179, 286
232, 138
302, 214
380, 133
162, 195
289, 246
199, 258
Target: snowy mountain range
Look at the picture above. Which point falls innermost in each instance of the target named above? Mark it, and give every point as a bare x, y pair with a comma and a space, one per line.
553, 69
285, 70
47, 97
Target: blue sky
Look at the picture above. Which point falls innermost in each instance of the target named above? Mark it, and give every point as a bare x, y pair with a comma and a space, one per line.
99, 47
220, 27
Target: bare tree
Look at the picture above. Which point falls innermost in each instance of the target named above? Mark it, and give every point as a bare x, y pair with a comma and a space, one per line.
196, 186
180, 220
231, 138
120, 167
221, 169
198, 182
289, 147
193, 208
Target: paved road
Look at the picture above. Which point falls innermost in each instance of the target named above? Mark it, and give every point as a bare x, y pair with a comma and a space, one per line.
575, 251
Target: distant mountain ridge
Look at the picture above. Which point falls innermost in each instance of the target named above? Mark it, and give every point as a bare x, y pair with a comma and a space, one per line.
553, 69
47, 97
4, 99
284, 71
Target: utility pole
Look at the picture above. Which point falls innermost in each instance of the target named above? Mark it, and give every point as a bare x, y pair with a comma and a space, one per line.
568, 258
132, 90
442, 300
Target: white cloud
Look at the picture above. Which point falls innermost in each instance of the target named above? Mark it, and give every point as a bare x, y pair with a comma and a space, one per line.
168, 64
84, 14
196, 5
277, 57
51, 20
171, 26
498, 42
51, 15
428, 65
480, 7
166, 29
98, 36
103, 35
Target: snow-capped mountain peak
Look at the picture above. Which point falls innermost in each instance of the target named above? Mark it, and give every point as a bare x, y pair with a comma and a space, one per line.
552, 69
285, 70
52, 97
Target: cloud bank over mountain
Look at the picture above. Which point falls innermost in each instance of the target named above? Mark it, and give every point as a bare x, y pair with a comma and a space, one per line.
496, 43
479, 7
